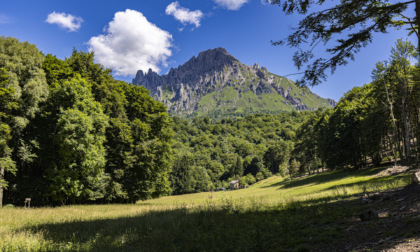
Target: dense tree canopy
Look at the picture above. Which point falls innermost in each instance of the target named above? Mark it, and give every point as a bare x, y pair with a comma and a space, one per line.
209, 154
22, 89
71, 133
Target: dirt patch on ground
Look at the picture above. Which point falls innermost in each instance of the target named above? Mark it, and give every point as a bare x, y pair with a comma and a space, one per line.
393, 171
391, 223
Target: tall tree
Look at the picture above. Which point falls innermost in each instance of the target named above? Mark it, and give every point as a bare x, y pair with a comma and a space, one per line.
401, 56
73, 132
306, 147
396, 81
186, 177
381, 82
151, 149
80, 136
277, 157
24, 89
237, 169
8, 103
351, 23
351, 135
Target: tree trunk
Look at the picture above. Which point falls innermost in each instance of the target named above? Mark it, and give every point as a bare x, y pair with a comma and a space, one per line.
405, 132
418, 24
393, 124
1, 187
416, 127
405, 114
409, 133
417, 9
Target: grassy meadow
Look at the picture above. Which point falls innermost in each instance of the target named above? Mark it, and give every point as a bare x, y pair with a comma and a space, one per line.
301, 214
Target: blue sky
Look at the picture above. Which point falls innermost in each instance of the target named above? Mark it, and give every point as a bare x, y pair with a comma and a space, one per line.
128, 35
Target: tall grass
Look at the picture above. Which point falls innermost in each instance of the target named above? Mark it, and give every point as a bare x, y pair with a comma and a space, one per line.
271, 215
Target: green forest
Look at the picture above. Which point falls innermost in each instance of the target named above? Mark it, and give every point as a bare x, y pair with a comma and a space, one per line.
72, 134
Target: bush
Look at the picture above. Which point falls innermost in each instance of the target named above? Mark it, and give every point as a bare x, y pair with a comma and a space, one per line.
250, 179
266, 173
247, 180
259, 176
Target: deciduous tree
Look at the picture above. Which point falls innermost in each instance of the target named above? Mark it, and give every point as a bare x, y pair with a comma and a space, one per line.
345, 28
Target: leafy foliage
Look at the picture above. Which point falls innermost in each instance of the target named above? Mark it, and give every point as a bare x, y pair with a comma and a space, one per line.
351, 23
74, 134
22, 89
375, 123
80, 134
209, 154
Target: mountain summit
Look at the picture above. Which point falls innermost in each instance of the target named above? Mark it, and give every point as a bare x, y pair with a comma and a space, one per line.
217, 84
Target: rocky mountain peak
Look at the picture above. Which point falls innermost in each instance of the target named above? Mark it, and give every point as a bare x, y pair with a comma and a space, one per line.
205, 64
213, 55
215, 81
210, 60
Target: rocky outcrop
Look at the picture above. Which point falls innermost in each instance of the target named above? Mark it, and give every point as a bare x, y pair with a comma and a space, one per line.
215, 71
331, 102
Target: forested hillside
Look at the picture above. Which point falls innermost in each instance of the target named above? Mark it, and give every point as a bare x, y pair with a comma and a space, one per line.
210, 154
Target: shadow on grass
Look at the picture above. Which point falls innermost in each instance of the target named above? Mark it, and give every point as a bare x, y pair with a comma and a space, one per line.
325, 177
316, 225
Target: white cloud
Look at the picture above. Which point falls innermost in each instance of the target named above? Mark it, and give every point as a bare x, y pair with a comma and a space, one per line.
66, 21
184, 15
231, 4
131, 43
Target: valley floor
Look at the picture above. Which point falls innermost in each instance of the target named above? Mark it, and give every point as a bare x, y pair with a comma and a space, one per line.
321, 212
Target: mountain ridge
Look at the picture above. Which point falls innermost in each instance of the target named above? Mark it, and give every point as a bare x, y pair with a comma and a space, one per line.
216, 83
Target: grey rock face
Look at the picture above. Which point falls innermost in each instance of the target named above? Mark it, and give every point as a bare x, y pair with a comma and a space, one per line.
182, 88
332, 102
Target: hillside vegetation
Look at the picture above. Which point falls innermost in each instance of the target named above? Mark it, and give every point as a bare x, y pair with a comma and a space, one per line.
318, 212
209, 154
